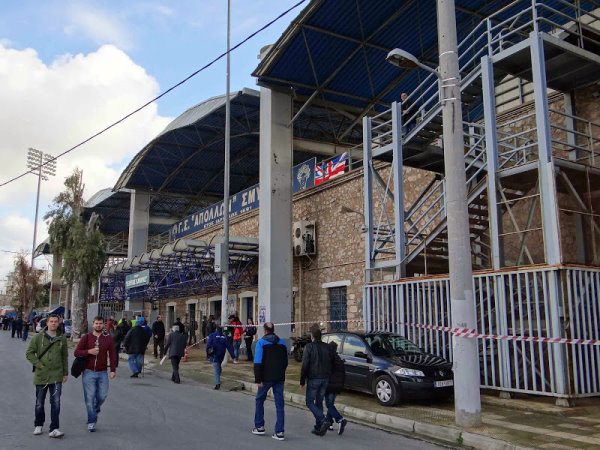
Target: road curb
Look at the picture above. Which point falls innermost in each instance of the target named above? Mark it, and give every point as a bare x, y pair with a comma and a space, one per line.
446, 434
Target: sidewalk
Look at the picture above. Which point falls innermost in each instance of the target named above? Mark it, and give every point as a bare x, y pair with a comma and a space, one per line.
508, 424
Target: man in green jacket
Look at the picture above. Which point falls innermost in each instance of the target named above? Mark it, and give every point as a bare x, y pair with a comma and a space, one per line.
48, 354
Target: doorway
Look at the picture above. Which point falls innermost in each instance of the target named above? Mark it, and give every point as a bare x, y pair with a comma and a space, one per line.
170, 316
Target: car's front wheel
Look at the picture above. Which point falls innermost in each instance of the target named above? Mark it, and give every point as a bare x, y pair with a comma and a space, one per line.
386, 391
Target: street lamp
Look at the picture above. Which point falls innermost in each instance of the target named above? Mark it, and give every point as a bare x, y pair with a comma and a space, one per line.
467, 401
44, 166
402, 58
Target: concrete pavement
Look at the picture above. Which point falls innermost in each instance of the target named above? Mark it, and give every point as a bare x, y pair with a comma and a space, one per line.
152, 412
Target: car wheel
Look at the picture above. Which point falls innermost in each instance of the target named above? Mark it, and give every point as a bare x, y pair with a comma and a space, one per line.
386, 391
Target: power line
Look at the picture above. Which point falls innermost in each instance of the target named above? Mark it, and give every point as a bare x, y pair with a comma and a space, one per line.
122, 119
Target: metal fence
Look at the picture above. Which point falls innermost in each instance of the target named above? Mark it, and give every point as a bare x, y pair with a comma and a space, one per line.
553, 302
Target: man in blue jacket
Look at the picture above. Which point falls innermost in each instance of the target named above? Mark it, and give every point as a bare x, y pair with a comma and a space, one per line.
216, 345
270, 363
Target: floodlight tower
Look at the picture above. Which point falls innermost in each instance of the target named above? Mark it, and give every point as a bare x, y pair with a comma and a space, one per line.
44, 166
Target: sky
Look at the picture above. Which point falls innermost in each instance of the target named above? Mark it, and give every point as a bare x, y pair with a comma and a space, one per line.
70, 68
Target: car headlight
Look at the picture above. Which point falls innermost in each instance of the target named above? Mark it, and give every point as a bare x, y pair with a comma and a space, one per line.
409, 372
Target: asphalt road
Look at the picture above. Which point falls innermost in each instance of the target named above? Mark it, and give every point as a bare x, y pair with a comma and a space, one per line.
153, 413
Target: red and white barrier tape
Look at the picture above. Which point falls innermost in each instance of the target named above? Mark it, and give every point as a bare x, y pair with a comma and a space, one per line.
456, 332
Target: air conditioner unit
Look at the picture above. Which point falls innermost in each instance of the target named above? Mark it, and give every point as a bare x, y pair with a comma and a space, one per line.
304, 238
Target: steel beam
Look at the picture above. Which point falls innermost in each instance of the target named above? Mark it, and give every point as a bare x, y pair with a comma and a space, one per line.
491, 148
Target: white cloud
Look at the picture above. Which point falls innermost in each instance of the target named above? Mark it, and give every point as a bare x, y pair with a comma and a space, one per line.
53, 107
98, 25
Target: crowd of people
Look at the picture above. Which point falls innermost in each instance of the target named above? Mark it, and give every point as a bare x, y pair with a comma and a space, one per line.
322, 372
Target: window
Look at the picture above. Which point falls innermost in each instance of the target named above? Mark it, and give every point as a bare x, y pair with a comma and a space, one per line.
353, 344
338, 308
333, 338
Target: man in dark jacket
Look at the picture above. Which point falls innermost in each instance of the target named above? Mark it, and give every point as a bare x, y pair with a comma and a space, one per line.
176, 350
316, 368
216, 345
335, 386
99, 348
17, 327
180, 325
135, 344
270, 363
158, 332
204, 327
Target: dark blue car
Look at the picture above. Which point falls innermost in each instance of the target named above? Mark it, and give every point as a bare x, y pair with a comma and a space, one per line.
391, 367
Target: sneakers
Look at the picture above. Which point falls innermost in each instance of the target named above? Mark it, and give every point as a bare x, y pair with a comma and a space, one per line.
258, 431
278, 436
235, 361
343, 423
217, 387
91, 427
135, 375
331, 427
56, 434
324, 427
37, 431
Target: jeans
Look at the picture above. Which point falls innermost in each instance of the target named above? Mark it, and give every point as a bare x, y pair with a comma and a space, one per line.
217, 372
315, 392
236, 348
95, 390
332, 412
261, 395
136, 361
175, 364
249, 341
40, 399
25, 334
159, 344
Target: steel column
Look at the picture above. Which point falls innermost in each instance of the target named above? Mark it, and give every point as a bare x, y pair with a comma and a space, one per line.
549, 204
491, 148
368, 197
399, 234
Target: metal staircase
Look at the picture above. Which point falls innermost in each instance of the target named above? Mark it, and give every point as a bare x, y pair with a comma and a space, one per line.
413, 133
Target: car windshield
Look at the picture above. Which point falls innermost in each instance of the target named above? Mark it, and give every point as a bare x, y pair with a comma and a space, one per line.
389, 345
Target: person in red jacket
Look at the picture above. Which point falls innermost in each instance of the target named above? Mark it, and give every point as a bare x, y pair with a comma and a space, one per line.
237, 336
98, 346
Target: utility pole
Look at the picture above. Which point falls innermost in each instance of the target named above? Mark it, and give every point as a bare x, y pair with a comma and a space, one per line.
43, 165
225, 247
467, 401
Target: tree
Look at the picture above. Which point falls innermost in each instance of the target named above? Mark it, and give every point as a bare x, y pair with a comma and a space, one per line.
27, 286
81, 246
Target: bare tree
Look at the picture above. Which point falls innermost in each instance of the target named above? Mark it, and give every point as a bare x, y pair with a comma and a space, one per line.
26, 284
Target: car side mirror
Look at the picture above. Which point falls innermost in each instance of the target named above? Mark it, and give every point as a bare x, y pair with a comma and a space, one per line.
362, 355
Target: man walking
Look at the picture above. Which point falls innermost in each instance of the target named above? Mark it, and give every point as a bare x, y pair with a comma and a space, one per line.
176, 350
135, 344
158, 332
47, 352
204, 327
270, 363
316, 368
98, 347
335, 386
216, 346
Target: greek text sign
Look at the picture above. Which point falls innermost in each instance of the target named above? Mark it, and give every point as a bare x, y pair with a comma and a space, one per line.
239, 203
137, 279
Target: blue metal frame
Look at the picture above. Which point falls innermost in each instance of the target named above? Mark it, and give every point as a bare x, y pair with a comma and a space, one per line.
184, 273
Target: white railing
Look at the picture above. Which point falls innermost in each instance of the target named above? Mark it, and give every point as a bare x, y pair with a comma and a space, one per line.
514, 303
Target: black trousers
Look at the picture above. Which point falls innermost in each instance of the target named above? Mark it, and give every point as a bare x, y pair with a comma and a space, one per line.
159, 344
248, 341
175, 364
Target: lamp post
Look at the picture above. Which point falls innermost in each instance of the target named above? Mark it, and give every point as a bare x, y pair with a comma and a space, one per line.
225, 247
467, 401
43, 165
